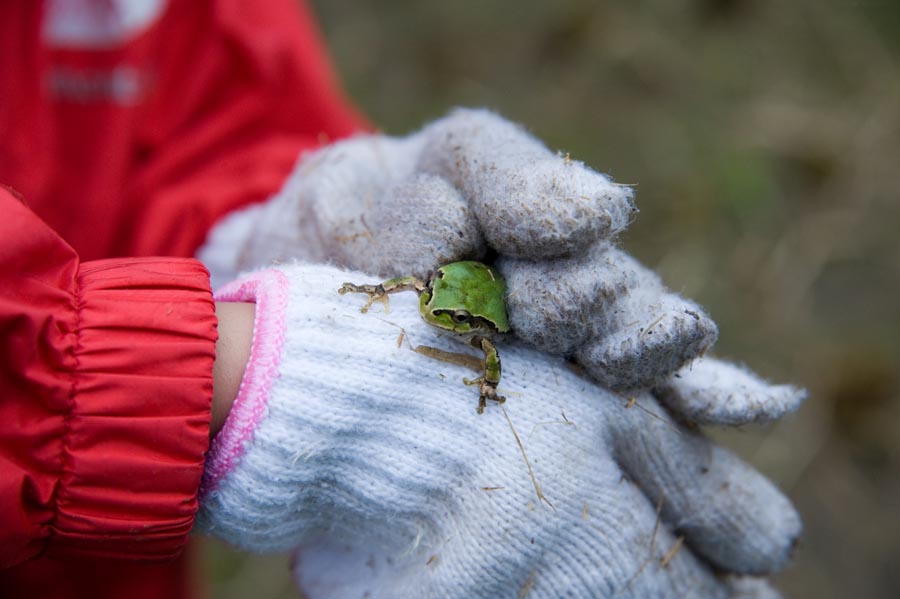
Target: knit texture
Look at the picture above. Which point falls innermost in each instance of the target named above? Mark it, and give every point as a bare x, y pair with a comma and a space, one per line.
531, 202
711, 391
610, 312
371, 459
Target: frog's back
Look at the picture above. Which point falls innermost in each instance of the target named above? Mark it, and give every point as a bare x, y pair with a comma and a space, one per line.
474, 285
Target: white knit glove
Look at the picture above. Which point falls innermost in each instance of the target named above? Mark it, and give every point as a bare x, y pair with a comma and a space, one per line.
372, 461
469, 185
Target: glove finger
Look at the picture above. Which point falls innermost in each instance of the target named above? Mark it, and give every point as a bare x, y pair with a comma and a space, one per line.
637, 554
531, 202
323, 201
711, 391
360, 202
609, 311
662, 337
729, 513
748, 587
417, 225
614, 546
558, 305
326, 569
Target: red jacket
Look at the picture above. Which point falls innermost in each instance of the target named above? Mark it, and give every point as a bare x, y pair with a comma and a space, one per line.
130, 148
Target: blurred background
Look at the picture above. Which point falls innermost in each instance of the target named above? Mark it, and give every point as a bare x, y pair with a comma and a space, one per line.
764, 140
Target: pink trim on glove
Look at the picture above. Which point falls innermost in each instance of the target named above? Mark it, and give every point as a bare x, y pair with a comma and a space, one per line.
268, 289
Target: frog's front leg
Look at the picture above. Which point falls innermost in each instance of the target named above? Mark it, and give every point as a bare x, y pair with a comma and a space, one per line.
380, 291
491, 378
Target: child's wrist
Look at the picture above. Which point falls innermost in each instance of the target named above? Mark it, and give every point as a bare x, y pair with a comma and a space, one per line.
232, 352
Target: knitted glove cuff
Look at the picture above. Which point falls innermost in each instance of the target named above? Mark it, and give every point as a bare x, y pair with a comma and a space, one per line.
321, 408
269, 291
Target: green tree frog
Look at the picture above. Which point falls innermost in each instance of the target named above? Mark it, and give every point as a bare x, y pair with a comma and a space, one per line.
467, 298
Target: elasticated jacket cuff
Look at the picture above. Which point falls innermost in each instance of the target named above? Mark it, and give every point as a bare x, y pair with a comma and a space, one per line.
138, 426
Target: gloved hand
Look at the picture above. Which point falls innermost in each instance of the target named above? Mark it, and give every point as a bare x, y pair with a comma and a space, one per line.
370, 458
462, 185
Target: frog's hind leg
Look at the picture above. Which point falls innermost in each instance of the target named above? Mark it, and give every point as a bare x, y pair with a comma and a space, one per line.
491, 378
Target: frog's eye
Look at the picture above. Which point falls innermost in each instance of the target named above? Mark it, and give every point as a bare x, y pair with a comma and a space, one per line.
461, 317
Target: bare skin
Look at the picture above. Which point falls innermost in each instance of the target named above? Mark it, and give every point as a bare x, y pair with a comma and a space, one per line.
232, 352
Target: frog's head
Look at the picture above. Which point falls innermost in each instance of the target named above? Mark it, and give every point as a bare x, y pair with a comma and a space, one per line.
466, 297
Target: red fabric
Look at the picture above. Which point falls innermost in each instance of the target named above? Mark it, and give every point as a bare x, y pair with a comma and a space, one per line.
226, 94
77, 578
105, 377
106, 372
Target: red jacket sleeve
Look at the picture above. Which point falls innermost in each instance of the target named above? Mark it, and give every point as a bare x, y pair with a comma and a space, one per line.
137, 149
237, 102
106, 379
